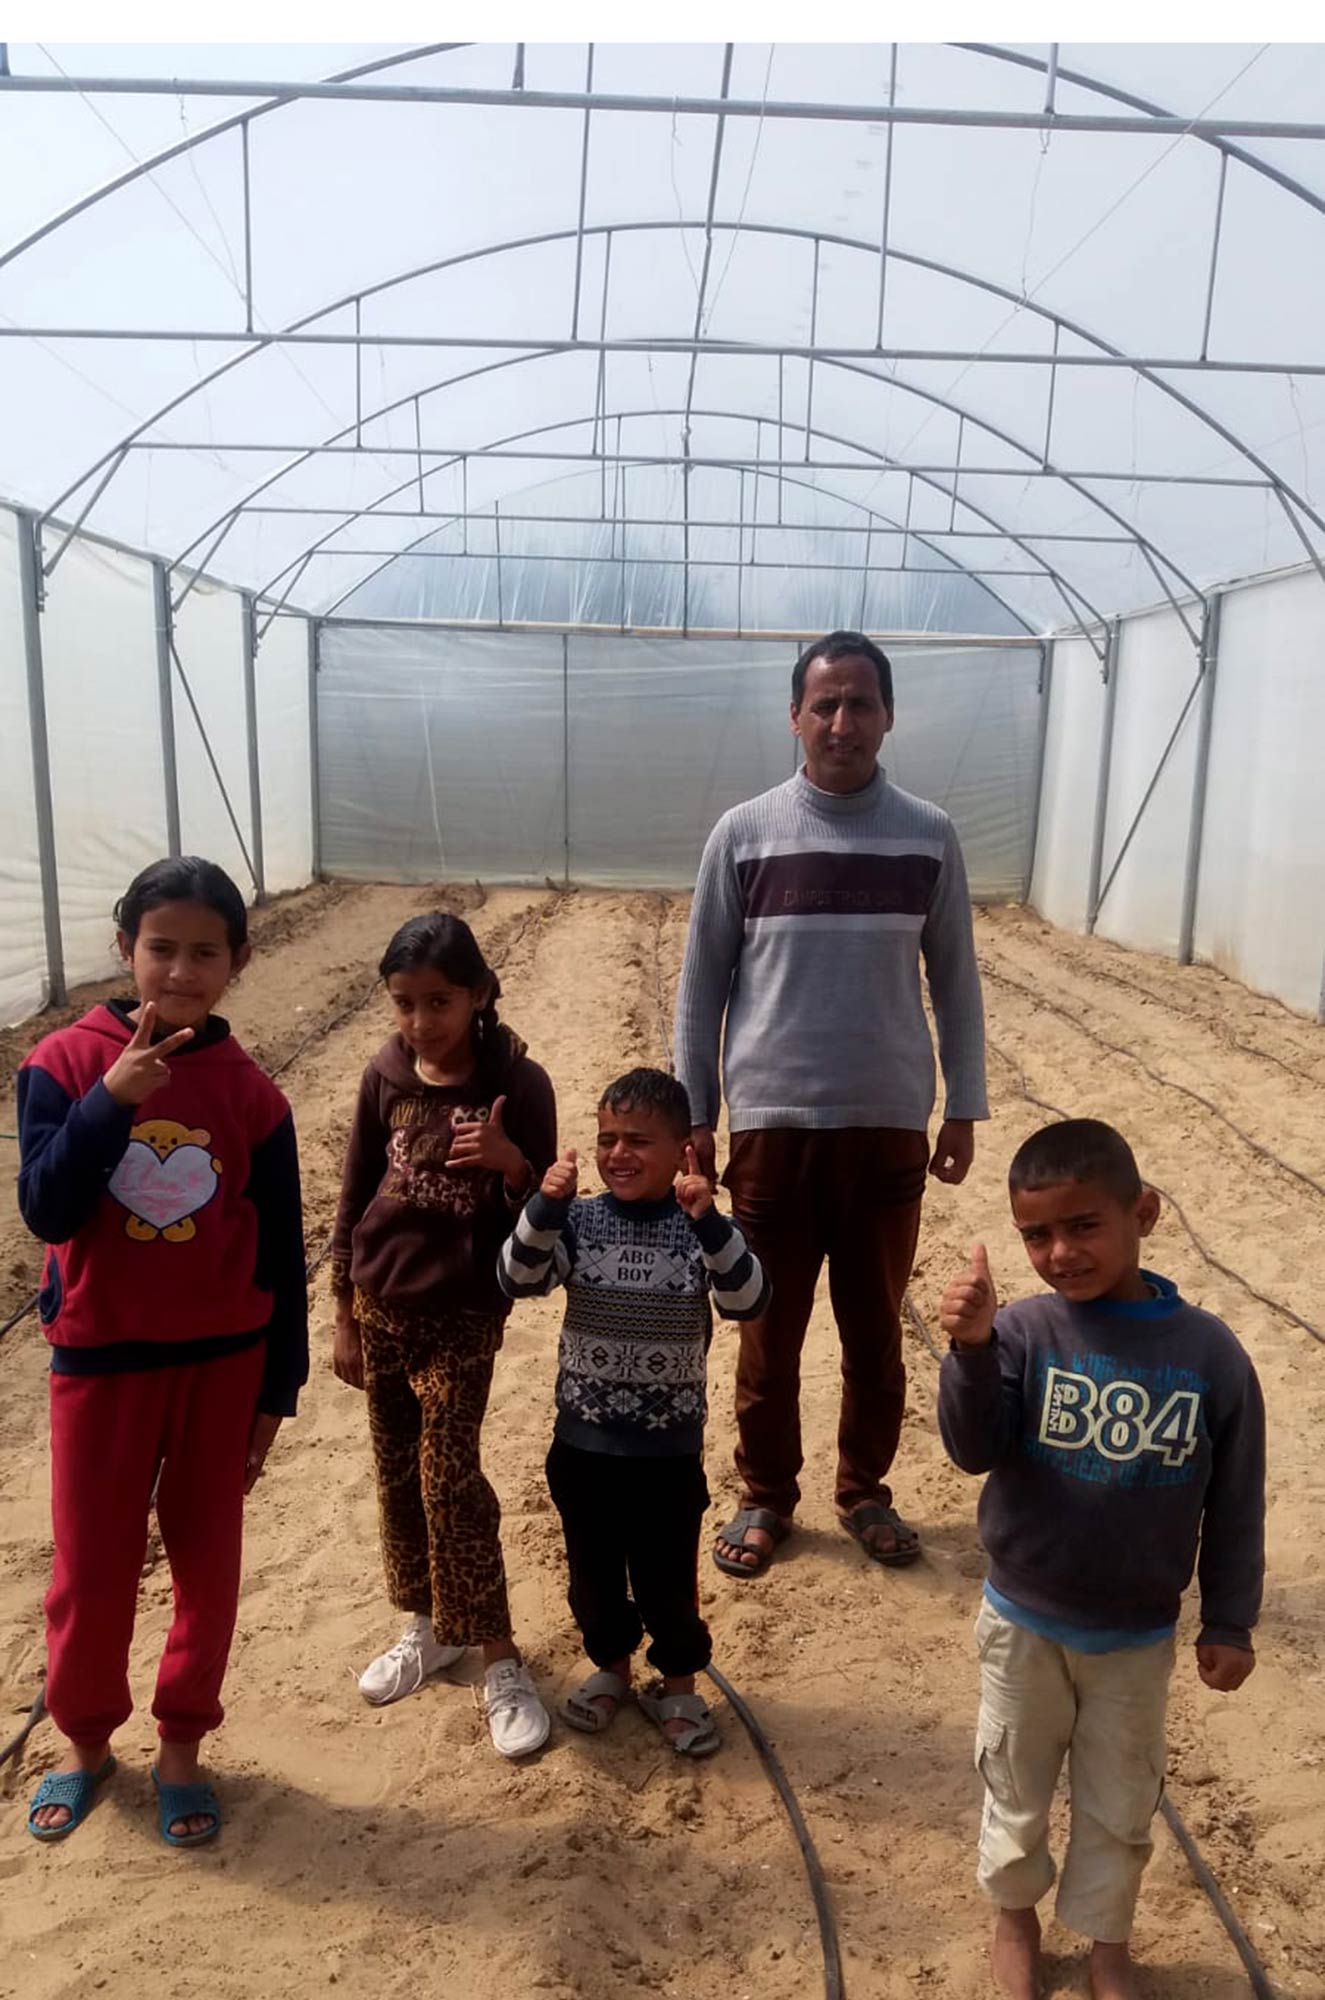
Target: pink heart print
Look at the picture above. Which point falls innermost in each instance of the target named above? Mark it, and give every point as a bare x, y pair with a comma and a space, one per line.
161, 1192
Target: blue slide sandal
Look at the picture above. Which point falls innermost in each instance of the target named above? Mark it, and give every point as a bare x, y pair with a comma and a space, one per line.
187, 1802
76, 1790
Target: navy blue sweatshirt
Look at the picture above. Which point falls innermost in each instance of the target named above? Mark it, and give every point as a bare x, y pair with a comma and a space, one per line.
1116, 1437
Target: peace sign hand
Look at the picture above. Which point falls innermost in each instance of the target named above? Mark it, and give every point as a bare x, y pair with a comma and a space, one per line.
142, 1068
692, 1190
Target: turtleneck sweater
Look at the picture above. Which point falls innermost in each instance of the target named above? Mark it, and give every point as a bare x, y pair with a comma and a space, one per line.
812, 913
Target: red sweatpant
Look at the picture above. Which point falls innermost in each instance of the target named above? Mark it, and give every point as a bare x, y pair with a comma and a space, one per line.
109, 1436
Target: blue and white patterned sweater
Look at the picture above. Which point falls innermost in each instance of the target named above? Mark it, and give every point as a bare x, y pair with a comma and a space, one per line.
634, 1342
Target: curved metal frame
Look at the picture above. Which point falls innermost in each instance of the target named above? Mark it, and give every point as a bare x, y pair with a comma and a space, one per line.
1288, 496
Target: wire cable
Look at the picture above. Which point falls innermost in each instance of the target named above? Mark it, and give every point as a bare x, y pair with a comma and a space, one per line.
832, 1957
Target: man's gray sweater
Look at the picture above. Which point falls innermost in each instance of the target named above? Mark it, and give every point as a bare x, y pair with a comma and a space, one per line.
811, 913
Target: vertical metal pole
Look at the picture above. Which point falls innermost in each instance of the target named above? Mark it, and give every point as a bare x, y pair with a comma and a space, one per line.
248, 232
565, 759
1045, 692
1110, 671
248, 623
30, 587
1210, 622
166, 703
814, 334
887, 196
496, 529
314, 744
1214, 257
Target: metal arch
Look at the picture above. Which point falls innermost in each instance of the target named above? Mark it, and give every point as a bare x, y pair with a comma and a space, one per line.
874, 459
217, 131
795, 232
224, 521
887, 522
1228, 147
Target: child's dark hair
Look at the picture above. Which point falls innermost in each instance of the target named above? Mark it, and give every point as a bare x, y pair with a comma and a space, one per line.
650, 1090
183, 878
439, 942
1077, 1149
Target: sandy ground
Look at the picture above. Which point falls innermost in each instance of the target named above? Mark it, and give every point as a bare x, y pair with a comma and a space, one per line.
374, 1851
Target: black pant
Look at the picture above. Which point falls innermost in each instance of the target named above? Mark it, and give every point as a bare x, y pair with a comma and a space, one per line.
636, 1519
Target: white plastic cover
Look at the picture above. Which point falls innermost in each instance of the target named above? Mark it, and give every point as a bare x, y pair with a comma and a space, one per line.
447, 754
284, 753
22, 944
1061, 881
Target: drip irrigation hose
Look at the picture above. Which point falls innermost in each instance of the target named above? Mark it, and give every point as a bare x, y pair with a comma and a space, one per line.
1156, 1076
1196, 1861
832, 1957
34, 1716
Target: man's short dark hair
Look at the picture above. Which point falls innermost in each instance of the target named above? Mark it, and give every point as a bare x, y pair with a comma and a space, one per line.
1077, 1149
650, 1090
843, 646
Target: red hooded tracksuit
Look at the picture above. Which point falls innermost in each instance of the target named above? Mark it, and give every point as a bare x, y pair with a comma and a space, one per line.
175, 1302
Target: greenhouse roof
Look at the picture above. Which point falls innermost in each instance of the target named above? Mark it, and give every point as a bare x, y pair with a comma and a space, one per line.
954, 337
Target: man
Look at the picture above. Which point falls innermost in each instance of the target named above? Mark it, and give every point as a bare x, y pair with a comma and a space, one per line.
813, 906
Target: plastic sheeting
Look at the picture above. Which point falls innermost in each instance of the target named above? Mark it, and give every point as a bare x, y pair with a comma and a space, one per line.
933, 418
1260, 905
607, 759
107, 767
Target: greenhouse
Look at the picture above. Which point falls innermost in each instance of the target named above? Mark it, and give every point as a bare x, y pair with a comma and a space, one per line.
421, 468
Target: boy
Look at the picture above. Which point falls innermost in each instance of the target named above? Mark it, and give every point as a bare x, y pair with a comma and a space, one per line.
626, 1469
1118, 1426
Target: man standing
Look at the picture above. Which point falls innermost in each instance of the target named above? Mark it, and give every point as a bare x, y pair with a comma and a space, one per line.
813, 906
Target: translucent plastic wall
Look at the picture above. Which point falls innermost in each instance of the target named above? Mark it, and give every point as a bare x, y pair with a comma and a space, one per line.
1253, 834
606, 759
106, 752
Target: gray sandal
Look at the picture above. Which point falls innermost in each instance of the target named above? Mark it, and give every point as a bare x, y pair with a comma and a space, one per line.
579, 1708
701, 1739
736, 1534
869, 1514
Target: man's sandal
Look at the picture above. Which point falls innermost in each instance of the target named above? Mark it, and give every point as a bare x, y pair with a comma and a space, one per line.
700, 1738
581, 1708
193, 1801
737, 1535
75, 1791
873, 1514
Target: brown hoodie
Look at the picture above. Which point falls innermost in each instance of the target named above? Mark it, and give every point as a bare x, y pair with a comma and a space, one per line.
411, 1230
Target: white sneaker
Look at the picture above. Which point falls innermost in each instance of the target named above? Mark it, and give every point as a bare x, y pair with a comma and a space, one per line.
406, 1666
517, 1720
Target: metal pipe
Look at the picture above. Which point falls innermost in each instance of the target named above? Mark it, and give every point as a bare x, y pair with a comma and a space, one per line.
1214, 256
887, 198
1045, 693
248, 229
565, 759
1102, 779
584, 196
166, 703
30, 591
248, 623
730, 460
673, 521
1164, 125
1200, 775
314, 744
673, 562
550, 344
945, 641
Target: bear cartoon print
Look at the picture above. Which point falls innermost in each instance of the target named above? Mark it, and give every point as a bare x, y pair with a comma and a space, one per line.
167, 1175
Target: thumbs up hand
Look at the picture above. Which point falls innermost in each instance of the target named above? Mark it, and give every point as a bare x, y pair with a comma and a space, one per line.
693, 1190
483, 1143
966, 1312
562, 1177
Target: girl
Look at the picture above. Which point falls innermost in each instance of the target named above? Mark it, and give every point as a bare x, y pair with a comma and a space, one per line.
454, 1126
159, 1165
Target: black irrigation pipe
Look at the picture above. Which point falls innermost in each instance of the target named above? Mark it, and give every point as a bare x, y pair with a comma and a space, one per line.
1202, 1247
34, 1716
1169, 1083
834, 1988
1196, 1861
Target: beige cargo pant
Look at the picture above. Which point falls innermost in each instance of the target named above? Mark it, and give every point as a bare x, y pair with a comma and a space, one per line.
1039, 1702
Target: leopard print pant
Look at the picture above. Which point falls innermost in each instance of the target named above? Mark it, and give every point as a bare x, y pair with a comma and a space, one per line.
427, 1383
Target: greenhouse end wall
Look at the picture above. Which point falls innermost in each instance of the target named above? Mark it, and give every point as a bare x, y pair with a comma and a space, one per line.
1252, 836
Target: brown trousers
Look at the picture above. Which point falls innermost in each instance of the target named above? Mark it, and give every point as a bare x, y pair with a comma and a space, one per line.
852, 1196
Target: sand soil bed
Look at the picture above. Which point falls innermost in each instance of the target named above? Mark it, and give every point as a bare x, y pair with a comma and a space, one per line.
389, 1852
